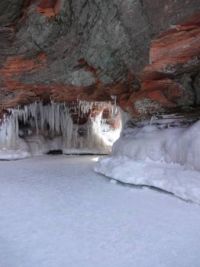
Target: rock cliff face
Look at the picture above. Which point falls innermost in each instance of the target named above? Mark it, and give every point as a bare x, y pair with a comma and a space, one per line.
171, 80
92, 49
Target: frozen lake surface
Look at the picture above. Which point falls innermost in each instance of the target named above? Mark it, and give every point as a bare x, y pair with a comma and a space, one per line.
56, 212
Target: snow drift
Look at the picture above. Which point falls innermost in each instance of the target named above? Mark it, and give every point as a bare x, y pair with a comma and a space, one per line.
166, 156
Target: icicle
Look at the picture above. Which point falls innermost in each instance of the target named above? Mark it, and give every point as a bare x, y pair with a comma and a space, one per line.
54, 120
114, 107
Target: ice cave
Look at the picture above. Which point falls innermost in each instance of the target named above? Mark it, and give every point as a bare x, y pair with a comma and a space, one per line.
99, 133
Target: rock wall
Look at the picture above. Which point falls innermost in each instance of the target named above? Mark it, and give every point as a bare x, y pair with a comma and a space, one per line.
171, 80
92, 49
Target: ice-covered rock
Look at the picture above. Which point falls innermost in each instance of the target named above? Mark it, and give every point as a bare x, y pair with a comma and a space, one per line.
157, 155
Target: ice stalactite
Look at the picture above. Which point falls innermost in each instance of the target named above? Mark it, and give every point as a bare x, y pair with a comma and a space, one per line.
8, 132
39, 128
11, 146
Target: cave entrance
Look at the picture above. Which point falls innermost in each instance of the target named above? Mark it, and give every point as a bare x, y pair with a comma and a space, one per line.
61, 128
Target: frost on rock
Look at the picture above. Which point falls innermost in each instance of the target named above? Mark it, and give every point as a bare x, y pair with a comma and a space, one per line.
163, 153
36, 129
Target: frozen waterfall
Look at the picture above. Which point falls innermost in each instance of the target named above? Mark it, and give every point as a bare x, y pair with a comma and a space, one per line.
37, 128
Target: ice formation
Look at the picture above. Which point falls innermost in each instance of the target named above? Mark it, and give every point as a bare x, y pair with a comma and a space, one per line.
170, 139
36, 129
163, 152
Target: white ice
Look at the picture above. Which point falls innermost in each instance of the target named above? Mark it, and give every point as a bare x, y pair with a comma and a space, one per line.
56, 212
51, 128
152, 155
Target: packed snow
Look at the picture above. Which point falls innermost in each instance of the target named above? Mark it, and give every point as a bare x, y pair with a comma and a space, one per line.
157, 155
56, 212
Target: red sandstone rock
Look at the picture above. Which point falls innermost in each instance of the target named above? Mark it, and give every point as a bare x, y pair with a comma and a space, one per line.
20, 65
49, 8
173, 53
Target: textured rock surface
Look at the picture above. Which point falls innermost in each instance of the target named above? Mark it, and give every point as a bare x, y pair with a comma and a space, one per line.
172, 79
92, 49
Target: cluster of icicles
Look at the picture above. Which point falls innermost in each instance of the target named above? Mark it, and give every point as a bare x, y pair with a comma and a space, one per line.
36, 129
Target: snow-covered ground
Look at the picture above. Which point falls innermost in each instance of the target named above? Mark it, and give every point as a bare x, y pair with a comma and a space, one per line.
157, 155
56, 212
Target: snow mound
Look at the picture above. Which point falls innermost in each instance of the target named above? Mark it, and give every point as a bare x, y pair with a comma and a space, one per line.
172, 178
13, 154
177, 145
166, 158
